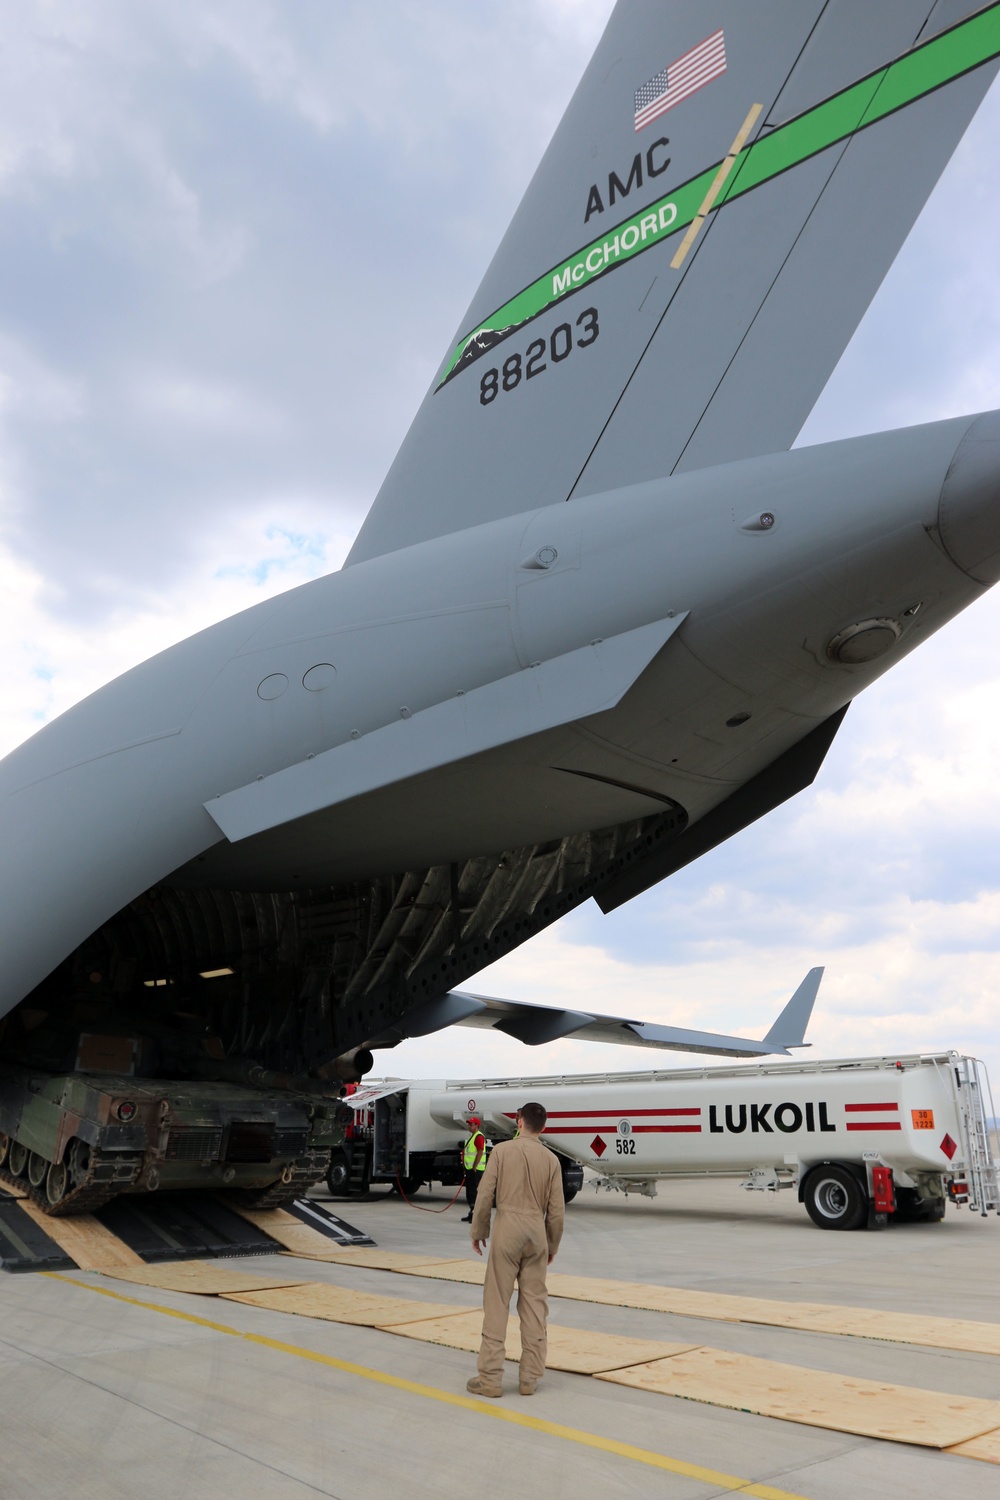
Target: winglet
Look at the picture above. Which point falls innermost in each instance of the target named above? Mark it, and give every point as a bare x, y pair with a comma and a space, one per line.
790, 1027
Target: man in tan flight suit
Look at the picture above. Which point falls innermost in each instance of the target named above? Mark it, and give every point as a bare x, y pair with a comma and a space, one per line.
523, 1180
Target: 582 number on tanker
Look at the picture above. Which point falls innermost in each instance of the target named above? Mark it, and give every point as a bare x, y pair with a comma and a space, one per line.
539, 356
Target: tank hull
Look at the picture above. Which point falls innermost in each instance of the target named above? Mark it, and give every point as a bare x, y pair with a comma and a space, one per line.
73, 1141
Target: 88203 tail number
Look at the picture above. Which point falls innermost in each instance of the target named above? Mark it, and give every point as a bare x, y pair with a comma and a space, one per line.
539, 356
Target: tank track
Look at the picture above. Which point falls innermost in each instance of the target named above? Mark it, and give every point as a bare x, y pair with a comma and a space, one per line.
103, 1180
306, 1171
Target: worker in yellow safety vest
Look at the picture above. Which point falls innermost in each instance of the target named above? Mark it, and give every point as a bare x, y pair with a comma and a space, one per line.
474, 1162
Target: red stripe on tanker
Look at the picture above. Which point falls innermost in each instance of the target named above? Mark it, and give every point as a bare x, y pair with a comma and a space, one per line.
656, 1129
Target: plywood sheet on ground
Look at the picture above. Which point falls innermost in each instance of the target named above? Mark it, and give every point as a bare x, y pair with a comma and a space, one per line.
330, 1251
388, 1260
206, 1278
724, 1307
592, 1353
463, 1331
340, 1305
985, 1448
84, 1238
693, 1304
296, 1237
810, 1317
572, 1349
12, 1190
471, 1271
817, 1398
873, 1323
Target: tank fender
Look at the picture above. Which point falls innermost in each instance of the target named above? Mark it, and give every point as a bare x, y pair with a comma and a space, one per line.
30, 1118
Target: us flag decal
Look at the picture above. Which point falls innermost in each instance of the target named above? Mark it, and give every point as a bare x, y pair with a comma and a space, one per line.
680, 79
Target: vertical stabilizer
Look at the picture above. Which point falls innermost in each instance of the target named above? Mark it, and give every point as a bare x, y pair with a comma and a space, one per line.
790, 1028
723, 196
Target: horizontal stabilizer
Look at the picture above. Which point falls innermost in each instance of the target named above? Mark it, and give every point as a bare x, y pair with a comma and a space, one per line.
555, 692
792, 772
537, 1024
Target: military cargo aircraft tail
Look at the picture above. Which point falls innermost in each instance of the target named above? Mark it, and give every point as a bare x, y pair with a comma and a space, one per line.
653, 306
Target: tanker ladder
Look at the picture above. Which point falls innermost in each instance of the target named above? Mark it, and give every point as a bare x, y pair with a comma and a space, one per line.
974, 1093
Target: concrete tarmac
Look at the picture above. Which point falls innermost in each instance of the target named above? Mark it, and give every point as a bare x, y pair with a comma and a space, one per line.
100, 1394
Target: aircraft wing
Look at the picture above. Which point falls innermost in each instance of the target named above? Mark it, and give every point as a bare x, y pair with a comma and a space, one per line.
537, 1024
716, 210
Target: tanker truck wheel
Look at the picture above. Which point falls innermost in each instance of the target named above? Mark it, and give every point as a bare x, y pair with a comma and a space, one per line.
834, 1199
407, 1187
572, 1178
338, 1174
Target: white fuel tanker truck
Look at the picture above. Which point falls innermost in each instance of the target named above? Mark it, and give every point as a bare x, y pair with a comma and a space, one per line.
861, 1139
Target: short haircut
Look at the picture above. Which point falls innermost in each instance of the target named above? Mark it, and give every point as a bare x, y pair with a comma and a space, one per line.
534, 1116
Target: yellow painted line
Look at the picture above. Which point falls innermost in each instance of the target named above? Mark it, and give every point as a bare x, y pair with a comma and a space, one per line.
718, 183
645, 1456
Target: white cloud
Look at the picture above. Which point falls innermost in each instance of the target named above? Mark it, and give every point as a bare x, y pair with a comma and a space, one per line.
184, 401
49, 664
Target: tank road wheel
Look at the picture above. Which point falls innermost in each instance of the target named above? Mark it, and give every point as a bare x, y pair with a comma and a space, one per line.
56, 1183
834, 1199
4, 1147
17, 1158
37, 1168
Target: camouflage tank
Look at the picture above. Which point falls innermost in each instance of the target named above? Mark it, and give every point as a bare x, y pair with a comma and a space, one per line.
74, 1139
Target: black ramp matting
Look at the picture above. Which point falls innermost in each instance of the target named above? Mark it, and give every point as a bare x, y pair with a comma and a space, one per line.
182, 1226
318, 1216
25, 1247
163, 1227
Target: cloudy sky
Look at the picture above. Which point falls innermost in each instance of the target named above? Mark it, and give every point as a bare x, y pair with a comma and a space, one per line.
236, 237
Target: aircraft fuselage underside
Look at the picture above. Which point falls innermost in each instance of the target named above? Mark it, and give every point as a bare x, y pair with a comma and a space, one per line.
490, 728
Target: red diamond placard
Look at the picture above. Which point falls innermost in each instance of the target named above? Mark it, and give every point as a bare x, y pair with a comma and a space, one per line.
949, 1147
598, 1146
